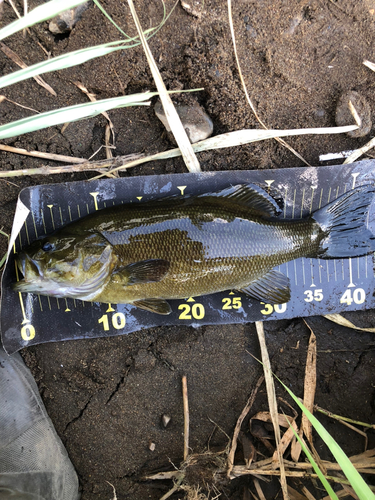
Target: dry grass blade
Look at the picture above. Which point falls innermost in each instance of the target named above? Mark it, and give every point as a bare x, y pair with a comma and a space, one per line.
103, 166
259, 489
309, 385
360, 151
241, 137
272, 402
340, 320
39, 154
286, 439
17, 60
174, 121
240, 419
295, 495
3, 98
281, 141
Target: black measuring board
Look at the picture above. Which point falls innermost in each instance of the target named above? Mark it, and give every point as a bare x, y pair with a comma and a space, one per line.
317, 286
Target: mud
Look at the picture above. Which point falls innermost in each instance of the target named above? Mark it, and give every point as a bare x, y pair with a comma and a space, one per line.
106, 397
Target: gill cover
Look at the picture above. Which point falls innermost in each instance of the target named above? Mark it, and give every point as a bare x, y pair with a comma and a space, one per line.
66, 265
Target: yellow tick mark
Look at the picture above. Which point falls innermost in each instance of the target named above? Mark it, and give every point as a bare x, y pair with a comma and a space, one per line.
95, 196
182, 189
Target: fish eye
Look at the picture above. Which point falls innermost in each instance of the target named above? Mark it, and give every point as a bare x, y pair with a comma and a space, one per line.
48, 246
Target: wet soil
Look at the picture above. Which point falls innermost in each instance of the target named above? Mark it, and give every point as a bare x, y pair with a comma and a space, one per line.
106, 397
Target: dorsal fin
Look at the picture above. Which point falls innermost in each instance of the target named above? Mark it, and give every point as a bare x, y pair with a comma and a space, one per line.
251, 196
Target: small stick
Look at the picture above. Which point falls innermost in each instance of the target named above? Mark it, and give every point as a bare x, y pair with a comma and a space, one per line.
241, 418
186, 417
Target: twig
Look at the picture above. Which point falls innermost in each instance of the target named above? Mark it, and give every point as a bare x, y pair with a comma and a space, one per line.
240, 419
17, 60
186, 416
272, 402
104, 166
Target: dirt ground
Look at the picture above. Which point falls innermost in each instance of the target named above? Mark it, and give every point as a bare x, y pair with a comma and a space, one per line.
106, 397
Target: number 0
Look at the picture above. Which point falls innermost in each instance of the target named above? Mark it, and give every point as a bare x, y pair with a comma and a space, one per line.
28, 332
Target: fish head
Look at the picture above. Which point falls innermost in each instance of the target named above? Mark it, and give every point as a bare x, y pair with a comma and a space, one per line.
66, 265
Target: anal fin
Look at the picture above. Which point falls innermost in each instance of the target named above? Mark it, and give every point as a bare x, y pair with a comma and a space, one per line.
158, 306
272, 288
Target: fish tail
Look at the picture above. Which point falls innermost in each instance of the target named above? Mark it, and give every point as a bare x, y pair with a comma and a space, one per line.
344, 225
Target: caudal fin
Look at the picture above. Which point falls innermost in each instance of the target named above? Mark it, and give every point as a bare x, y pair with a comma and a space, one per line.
344, 225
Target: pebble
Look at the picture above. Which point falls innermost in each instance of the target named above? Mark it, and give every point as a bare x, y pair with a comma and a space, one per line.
345, 117
165, 419
66, 21
196, 122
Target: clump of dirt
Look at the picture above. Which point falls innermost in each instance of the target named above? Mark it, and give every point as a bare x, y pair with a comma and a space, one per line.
106, 396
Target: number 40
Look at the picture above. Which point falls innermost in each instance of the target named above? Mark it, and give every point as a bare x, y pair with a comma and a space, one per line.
358, 296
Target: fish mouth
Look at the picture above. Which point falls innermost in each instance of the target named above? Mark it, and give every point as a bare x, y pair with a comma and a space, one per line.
32, 276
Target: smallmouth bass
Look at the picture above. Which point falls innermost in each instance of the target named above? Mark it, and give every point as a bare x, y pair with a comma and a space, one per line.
178, 247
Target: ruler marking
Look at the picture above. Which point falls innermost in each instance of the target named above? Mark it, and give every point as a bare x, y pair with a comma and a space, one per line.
303, 271
342, 270
302, 203
312, 273
334, 266
320, 271
61, 217
285, 198
36, 232
44, 223
27, 233
351, 284
70, 213
294, 203
312, 198
52, 219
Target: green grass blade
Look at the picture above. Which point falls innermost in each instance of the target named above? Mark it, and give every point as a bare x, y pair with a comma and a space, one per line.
63, 61
39, 14
319, 473
353, 476
72, 113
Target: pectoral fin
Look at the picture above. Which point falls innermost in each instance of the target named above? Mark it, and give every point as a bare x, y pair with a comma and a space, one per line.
145, 271
272, 288
158, 306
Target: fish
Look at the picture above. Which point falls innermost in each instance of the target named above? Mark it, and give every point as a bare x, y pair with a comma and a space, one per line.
177, 247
